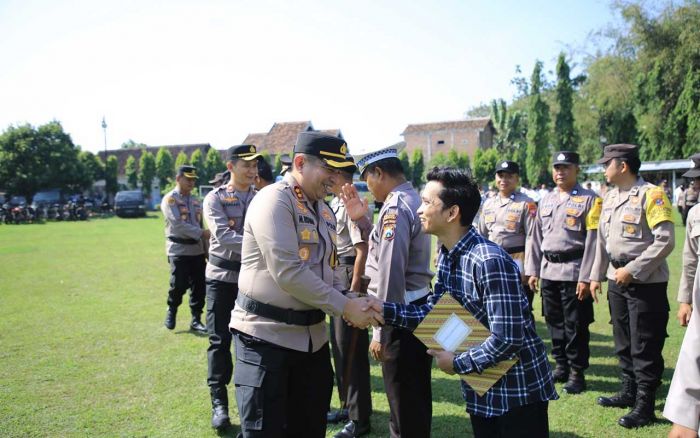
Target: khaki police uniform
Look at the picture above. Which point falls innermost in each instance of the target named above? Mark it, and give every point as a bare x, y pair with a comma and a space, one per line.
636, 232
561, 253
224, 211
283, 374
508, 222
690, 199
691, 249
351, 361
185, 249
398, 266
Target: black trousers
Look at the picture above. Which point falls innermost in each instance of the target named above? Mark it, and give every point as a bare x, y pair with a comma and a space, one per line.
221, 297
349, 346
187, 272
639, 315
281, 392
567, 320
406, 372
528, 421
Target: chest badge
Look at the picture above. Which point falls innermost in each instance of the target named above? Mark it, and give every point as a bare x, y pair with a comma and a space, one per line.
305, 234
304, 253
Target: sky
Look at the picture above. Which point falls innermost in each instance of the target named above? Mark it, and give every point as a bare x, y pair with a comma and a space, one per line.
180, 72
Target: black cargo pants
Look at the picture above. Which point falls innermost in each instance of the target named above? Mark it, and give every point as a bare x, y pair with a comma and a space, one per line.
187, 272
221, 297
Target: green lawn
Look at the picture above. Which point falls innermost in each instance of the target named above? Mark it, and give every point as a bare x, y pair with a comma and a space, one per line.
83, 351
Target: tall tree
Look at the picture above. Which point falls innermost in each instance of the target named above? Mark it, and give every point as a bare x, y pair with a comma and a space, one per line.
132, 176
181, 160
197, 160
111, 174
565, 138
214, 163
131, 144
485, 161
510, 139
164, 167
147, 171
92, 169
278, 164
417, 168
405, 163
536, 162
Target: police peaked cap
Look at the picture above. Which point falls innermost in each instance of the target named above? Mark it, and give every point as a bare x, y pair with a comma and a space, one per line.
247, 152
565, 157
619, 151
694, 172
332, 150
187, 171
508, 167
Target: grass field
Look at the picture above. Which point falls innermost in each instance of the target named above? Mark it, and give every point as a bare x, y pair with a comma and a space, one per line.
83, 351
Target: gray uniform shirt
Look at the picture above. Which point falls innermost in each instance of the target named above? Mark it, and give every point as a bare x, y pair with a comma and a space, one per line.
507, 221
635, 226
691, 247
183, 218
224, 210
288, 258
399, 251
565, 222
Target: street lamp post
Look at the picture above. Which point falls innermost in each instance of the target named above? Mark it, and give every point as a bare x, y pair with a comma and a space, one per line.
104, 130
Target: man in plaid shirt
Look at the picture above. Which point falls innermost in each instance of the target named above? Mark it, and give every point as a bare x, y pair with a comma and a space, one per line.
481, 276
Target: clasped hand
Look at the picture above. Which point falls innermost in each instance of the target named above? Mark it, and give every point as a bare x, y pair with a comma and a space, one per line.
364, 311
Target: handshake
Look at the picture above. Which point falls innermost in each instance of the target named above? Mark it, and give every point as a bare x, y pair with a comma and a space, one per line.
363, 311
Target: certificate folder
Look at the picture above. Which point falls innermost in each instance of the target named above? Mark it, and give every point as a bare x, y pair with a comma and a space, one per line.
442, 317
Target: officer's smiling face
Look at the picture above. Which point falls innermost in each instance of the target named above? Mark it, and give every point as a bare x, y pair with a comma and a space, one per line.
185, 184
318, 179
432, 213
244, 172
506, 182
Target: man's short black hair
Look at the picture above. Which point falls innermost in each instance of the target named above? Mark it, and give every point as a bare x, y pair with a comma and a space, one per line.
458, 189
264, 170
392, 166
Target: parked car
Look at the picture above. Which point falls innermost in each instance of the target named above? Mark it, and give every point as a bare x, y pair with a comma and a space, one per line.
130, 203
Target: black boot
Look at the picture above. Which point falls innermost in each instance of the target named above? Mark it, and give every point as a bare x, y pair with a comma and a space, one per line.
624, 398
196, 323
576, 383
353, 429
170, 318
560, 373
219, 407
643, 411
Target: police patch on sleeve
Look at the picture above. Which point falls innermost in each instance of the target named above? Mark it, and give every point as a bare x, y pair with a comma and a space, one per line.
593, 216
532, 209
658, 207
389, 231
171, 200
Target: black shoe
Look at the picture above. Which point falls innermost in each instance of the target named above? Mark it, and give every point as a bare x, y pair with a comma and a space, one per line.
353, 429
643, 411
219, 407
170, 318
624, 398
576, 383
339, 416
560, 373
197, 325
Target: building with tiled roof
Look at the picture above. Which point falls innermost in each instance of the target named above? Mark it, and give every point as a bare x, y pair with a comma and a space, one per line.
123, 154
281, 137
463, 135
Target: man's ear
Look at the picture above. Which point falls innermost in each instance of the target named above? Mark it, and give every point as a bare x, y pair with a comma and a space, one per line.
298, 162
453, 213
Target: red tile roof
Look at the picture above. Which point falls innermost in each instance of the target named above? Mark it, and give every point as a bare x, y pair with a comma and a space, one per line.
282, 136
475, 123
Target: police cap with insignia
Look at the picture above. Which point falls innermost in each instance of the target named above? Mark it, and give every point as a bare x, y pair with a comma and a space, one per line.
246, 152
332, 150
187, 171
220, 178
508, 167
286, 161
372, 155
565, 157
694, 171
628, 151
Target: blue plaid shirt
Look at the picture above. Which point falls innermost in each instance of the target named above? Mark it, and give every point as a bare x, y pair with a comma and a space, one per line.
481, 276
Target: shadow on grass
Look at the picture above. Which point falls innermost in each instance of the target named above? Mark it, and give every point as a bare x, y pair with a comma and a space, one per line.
231, 431
191, 332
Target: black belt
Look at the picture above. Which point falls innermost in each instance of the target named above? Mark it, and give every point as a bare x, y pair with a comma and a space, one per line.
347, 260
287, 316
563, 257
183, 241
514, 250
617, 264
225, 264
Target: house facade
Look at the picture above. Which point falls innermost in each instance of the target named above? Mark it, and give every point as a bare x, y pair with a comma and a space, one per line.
463, 135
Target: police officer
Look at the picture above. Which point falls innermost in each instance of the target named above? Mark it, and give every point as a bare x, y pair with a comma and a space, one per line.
689, 200
507, 218
283, 374
398, 266
691, 248
350, 345
225, 210
636, 235
184, 246
561, 253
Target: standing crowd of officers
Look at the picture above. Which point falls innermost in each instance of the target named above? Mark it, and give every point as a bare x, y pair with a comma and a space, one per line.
272, 263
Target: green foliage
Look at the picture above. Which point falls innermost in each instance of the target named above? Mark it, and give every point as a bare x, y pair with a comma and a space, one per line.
439, 159
485, 161
131, 144
537, 158
197, 160
147, 171
482, 110
181, 160
213, 164
511, 131
111, 175
92, 169
33, 159
278, 165
132, 177
406, 164
565, 138
417, 168
165, 168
